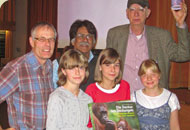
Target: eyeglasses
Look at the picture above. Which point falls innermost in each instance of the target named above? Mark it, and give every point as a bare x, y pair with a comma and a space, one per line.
132, 9
82, 36
43, 39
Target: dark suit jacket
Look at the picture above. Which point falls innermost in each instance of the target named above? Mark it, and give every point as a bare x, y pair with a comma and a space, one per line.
91, 67
161, 46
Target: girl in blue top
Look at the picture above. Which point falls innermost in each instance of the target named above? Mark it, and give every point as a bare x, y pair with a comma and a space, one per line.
157, 107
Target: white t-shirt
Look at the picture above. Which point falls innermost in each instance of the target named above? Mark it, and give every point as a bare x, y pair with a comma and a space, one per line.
157, 101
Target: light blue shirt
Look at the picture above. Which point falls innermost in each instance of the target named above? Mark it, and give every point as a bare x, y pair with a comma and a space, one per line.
55, 72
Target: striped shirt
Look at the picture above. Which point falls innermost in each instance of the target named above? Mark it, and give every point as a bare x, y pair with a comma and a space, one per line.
26, 88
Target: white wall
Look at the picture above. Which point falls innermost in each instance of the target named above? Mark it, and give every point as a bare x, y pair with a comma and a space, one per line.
103, 13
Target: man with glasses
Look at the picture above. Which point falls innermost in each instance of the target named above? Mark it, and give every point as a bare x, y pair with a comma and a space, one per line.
83, 37
26, 82
136, 42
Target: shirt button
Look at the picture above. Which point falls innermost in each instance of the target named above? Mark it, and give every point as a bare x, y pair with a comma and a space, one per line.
136, 79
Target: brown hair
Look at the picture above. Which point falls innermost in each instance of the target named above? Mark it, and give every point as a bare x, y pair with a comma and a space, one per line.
107, 56
149, 64
69, 60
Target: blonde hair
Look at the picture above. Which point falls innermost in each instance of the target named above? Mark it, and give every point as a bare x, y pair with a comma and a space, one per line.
149, 64
107, 56
69, 60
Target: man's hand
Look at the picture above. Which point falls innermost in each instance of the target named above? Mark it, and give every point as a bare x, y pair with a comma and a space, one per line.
180, 15
7, 128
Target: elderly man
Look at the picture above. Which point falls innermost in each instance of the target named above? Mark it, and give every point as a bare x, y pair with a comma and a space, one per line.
26, 82
83, 37
136, 42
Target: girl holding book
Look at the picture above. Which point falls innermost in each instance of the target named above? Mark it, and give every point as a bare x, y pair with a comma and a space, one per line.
68, 105
157, 107
108, 86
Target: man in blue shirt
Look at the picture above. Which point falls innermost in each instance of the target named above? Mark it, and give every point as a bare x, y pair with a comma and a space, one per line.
26, 82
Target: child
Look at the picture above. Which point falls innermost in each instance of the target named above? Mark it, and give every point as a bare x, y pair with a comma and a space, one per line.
157, 108
68, 105
108, 86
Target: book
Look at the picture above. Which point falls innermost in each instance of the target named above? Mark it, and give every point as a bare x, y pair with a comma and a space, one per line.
119, 115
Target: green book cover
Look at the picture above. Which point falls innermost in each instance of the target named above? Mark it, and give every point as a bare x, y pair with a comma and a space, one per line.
120, 115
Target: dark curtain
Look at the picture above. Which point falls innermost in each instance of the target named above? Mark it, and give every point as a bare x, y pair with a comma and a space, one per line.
41, 10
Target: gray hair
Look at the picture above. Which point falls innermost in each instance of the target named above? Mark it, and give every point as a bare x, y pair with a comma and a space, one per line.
42, 24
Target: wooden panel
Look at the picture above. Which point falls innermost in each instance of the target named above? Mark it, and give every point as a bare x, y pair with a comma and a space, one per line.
188, 13
7, 22
8, 45
7, 15
8, 48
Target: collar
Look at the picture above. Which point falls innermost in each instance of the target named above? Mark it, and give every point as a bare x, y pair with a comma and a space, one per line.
32, 60
108, 91
70, 94
91, 56
131, 33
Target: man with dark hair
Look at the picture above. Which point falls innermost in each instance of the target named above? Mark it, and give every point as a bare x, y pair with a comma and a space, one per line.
26, 82
136, 42
83, 37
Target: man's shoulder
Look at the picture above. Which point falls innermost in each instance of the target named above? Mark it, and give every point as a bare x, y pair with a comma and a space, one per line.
94, 60
95, 57
21, 61
17, 61
119, 27
155, 29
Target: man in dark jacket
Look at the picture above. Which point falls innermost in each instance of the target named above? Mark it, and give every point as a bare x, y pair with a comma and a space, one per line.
83, 37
